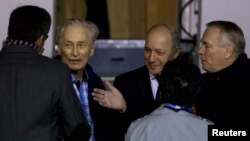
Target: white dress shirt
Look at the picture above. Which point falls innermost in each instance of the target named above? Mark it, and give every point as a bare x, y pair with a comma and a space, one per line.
154, 85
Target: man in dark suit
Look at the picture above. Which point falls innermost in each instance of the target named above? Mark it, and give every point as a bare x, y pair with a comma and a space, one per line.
36, 93
224, 88
137, 90
76, 40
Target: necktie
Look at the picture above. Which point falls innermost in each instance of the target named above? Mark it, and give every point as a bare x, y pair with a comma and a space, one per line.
81, 98
158, 93
78, 83
85, 108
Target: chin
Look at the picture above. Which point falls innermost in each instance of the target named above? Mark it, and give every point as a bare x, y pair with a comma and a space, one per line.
74, 68
154, 72
205, 69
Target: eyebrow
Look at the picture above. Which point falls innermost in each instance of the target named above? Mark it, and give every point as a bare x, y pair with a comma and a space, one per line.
205, 42
69, 41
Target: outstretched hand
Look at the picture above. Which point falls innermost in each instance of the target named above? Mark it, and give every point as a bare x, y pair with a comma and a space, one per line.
110, 98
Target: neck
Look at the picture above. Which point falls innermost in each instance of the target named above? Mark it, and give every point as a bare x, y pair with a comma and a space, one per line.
78, 74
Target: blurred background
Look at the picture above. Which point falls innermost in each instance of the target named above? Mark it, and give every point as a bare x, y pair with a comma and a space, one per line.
123, 23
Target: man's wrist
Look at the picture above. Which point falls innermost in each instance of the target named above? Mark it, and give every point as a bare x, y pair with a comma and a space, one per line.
124, 107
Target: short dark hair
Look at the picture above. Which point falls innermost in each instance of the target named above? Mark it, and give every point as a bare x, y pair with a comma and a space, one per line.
28, 23
179, 83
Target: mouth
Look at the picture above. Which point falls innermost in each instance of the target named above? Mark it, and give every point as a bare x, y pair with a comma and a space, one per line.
153, 66
74, 61
203, 62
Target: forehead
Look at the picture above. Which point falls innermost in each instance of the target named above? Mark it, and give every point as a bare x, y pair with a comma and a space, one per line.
75, 31
159, 38
159, 32
211, 34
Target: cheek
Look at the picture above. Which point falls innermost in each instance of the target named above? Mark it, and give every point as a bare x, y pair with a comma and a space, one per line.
64, 59
65, 53
146, 55
164, 59
85, 52
214, 59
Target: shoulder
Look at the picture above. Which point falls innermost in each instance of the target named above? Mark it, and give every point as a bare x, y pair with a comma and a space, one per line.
129, 79
94, 79
52, 64
243, 61
206, 121
91, 72
138, 123
142, 71
50, 70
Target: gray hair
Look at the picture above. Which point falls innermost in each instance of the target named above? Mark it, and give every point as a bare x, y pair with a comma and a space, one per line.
230, 33
90, 26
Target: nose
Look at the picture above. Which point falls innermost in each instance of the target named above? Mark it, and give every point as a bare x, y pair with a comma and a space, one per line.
152, 56
75, 51
201, 50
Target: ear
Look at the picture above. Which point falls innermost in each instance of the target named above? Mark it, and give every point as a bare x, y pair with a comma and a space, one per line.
57, 49
229, 51
92, 50
40, 40
39, 45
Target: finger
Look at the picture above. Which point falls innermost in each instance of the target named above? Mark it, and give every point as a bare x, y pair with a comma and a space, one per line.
100, 91
98, 95
98, 99
109, 86
95, 94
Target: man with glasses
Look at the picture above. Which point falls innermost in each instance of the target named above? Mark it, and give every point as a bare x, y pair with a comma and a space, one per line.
36, 93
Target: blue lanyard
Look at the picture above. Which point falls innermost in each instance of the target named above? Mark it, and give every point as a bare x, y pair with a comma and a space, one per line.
177, 108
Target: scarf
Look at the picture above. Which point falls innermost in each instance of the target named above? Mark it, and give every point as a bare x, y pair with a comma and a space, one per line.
10, 42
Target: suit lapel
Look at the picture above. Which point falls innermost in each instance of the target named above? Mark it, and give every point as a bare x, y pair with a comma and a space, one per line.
145, 84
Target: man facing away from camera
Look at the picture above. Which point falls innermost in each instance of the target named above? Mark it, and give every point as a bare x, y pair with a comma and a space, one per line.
37, 99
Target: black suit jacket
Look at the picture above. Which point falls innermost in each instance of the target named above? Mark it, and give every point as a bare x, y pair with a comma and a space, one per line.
136, 89
36, 94
100, 115
224, 95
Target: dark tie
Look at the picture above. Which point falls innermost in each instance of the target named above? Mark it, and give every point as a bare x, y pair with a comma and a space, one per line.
158, 93
81, 97
78, 84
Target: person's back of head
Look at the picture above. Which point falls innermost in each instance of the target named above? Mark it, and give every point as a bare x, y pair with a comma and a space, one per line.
179, 83
28, 23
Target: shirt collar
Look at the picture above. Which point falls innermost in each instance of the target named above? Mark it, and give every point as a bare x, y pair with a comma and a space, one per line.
85, 76
152, 77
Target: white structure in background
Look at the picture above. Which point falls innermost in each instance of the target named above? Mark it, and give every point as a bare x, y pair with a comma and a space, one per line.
6, 7
232, 10
190, 17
